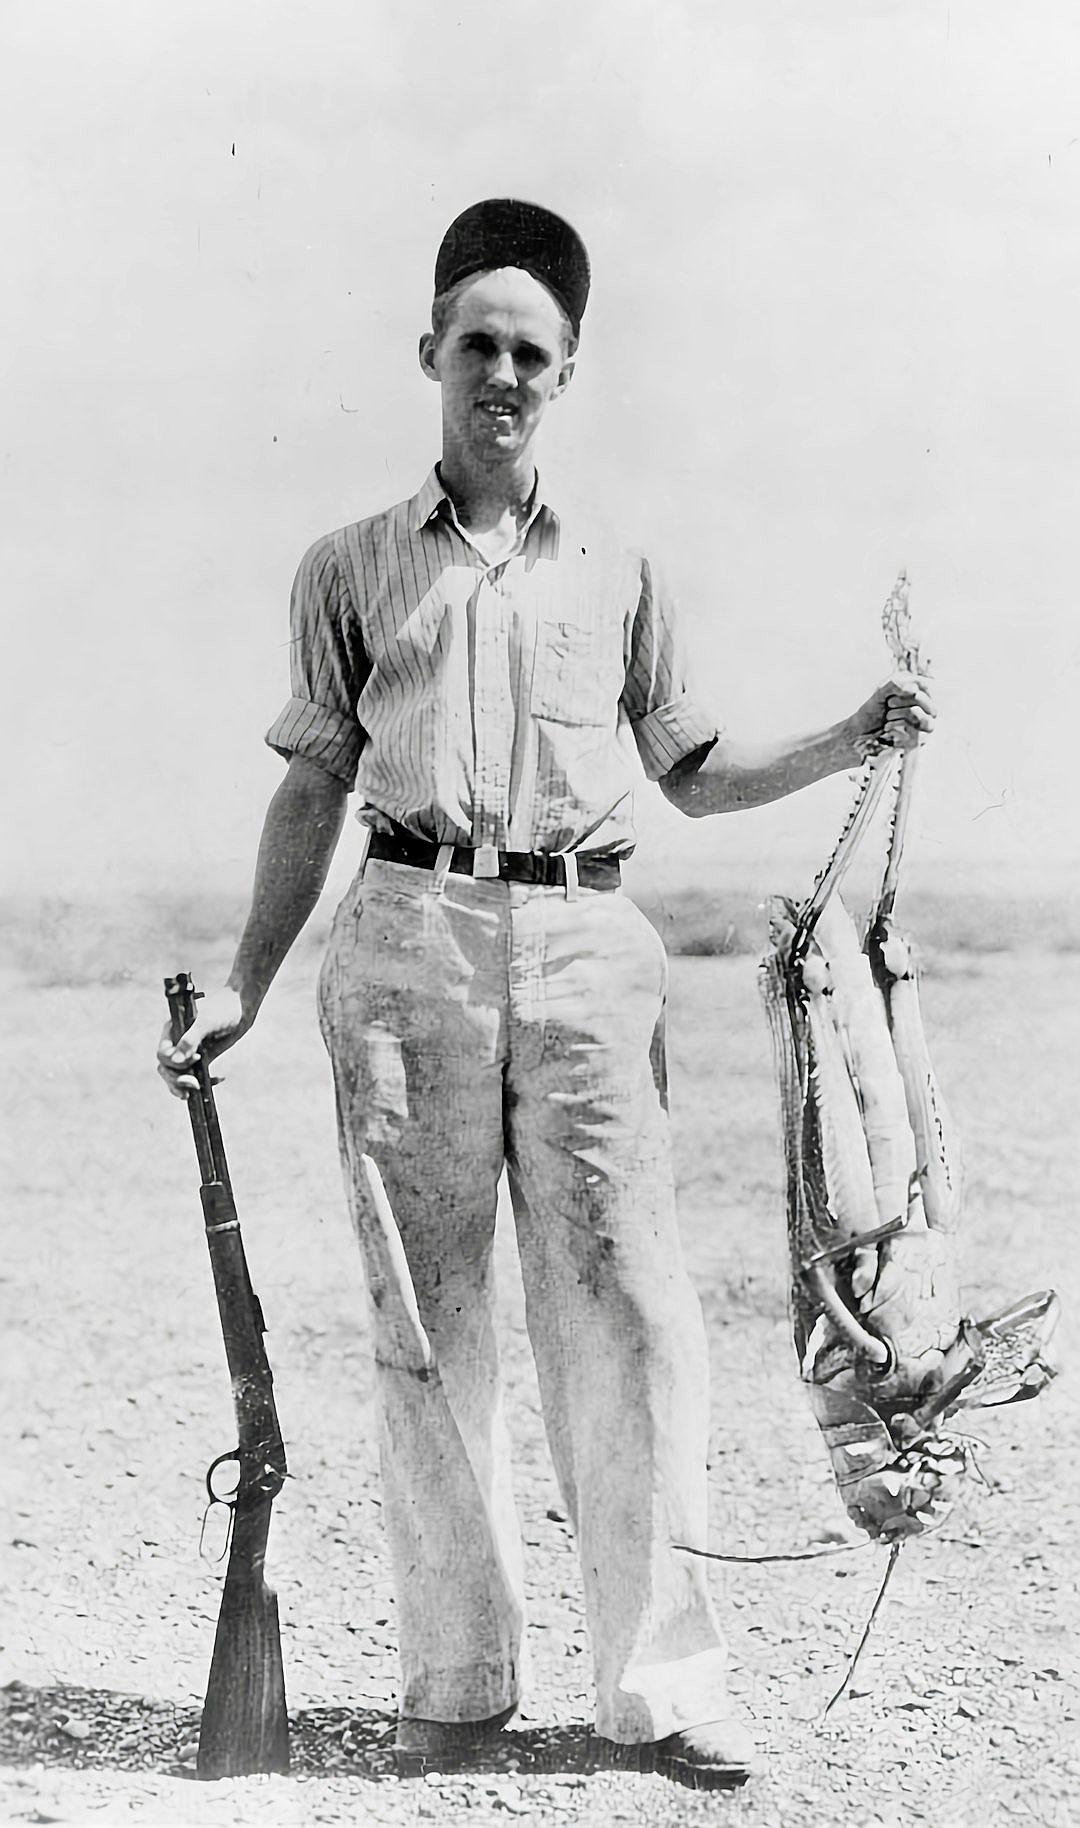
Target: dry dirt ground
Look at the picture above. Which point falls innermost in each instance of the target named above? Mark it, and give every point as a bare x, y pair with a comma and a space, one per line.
964, 1708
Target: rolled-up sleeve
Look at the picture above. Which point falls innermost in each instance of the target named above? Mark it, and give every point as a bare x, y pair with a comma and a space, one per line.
328, 669
667, 720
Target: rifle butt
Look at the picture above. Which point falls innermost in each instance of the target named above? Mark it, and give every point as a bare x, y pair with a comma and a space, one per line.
245, 1722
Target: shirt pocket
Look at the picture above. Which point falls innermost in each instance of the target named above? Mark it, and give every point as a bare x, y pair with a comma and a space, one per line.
577, 672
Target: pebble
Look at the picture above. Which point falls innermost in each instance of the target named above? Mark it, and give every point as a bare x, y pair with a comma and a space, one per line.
506, 1796
75, 1729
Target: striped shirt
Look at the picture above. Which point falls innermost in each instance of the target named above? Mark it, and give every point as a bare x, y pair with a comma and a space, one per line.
487, 704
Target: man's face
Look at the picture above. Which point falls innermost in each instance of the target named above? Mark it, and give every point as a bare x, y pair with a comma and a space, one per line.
499, 360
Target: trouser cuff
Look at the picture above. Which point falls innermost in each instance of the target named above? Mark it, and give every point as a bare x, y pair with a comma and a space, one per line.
473, 1691
652, 1700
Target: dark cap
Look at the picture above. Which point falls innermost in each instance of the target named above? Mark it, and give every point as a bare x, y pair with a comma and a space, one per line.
504, 232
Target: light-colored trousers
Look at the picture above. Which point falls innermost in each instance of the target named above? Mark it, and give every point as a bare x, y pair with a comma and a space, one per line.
472, 1024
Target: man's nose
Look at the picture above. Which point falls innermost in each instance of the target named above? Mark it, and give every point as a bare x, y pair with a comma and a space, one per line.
503, 373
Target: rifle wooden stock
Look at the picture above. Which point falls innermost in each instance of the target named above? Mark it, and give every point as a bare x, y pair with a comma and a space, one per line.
245, 1726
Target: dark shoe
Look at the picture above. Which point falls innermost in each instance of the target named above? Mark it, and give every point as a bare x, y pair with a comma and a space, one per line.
434, 1745
717, 1755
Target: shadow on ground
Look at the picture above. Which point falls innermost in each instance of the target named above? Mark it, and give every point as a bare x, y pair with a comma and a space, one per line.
101, 1729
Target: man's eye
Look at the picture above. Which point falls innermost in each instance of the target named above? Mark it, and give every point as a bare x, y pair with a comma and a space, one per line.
480, 345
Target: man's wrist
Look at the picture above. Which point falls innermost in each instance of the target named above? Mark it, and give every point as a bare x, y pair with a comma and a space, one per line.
248, 993
850, 741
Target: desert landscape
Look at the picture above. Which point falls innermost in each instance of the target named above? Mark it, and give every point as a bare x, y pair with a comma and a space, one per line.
832, 333
963, 1708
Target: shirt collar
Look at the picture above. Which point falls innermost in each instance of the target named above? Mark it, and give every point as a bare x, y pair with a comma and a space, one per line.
431, 502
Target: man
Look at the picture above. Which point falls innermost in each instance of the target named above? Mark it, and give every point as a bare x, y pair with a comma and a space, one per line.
474, 659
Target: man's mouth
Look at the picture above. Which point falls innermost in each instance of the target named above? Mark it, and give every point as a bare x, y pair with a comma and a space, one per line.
498, 409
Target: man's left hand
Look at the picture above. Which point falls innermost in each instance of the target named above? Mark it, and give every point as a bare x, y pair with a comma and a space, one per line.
900, 714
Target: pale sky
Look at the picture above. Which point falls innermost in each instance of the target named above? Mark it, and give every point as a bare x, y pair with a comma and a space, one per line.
833, 331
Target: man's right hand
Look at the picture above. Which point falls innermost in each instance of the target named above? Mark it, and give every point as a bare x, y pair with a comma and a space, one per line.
219, 1023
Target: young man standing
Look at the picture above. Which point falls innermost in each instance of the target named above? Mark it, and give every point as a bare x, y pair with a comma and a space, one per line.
470, 660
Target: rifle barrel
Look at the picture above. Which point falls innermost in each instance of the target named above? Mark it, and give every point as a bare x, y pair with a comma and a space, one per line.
181, 995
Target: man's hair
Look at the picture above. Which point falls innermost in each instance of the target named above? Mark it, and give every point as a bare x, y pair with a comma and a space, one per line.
443, 304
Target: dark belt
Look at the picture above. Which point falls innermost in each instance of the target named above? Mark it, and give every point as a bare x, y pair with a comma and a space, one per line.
514, 866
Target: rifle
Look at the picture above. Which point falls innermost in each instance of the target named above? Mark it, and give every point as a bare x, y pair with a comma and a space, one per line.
245, 1724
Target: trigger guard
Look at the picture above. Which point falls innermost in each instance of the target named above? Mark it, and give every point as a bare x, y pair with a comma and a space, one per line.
223, 1460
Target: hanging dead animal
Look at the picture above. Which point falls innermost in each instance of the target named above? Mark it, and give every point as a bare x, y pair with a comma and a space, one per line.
886, 1353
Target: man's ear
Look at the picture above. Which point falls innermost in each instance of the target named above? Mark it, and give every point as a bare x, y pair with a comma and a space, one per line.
563, 381
426, 353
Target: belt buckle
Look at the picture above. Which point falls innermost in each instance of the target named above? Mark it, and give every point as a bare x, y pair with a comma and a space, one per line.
485, 863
